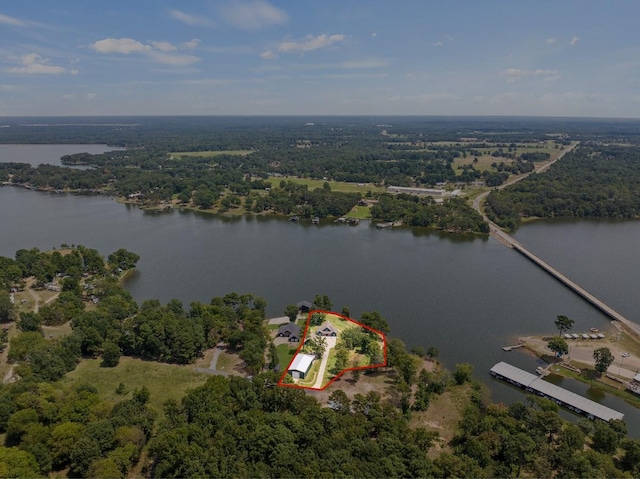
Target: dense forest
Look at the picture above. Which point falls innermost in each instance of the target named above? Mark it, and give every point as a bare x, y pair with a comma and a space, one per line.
237, 427
592, 181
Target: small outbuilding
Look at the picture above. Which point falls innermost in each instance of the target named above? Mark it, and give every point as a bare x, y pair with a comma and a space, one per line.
305, 306
301, 365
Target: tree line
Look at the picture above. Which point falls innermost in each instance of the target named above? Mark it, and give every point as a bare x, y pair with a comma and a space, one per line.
591, 181
453, 214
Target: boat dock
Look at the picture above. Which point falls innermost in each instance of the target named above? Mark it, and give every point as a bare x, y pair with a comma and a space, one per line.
509, 348
534, 384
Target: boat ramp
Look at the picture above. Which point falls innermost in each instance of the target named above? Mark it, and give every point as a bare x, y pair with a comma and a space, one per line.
534, 384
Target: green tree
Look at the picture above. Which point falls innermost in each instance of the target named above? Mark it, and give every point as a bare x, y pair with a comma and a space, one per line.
322, 302
63, 438
17, 463
342, 359
317, 346
123, 259
463, 373
316, 319
433, 352
605, 438
558, 345
83, 453
563, 323
104, 468
375, 320
110, 354
7, 309
291, 311
29, 322
631, 458
603, 359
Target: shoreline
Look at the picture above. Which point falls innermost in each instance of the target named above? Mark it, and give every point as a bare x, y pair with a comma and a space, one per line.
579, 363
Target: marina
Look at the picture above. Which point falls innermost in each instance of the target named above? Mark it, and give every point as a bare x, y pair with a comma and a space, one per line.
561, 396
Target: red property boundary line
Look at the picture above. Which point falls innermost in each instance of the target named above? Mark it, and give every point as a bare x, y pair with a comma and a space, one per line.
337, 376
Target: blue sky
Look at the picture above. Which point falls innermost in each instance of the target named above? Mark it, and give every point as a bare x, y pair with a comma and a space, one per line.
322, 57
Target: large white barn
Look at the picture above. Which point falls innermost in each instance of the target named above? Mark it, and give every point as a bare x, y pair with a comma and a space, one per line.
300, 366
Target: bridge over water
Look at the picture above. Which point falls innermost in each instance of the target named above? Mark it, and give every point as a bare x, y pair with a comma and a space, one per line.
507, 240
608, 310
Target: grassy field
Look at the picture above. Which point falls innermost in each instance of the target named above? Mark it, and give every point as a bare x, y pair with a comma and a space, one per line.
360, 212
285, 353
57, 331
164, 381
443, 415
209, 153
485, 160
229, 362
335, 185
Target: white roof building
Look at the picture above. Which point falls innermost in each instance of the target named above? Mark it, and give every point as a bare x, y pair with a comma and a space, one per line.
301, 365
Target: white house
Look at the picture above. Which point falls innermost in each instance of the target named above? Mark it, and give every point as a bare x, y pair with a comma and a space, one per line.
300, 366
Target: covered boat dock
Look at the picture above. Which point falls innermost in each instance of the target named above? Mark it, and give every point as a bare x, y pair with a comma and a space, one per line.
539, 386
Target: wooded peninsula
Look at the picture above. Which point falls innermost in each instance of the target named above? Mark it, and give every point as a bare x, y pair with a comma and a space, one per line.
245, 425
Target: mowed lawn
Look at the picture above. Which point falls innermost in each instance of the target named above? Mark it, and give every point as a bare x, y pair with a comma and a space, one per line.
285, 353
360, 212
209, 153
335, 185
164, 381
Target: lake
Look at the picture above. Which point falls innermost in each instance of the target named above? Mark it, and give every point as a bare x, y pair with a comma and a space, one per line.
469, 296
47, 154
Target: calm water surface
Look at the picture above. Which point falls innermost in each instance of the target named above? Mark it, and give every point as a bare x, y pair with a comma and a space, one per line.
47, 154
467, 296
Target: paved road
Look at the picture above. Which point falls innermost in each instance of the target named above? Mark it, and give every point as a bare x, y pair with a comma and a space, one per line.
479, 201
331, 343
280, 320
212, 365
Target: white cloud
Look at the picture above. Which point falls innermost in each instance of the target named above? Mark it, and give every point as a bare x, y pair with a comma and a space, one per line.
268, 55
91, 96
551, 40
574, 40
193, 43
34, 64
119, 45
438, 44
189, 19
7, 87
7, 20
163, 46
68, 96
158, 52
253, 15
374, 34
514, 75
310, 43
